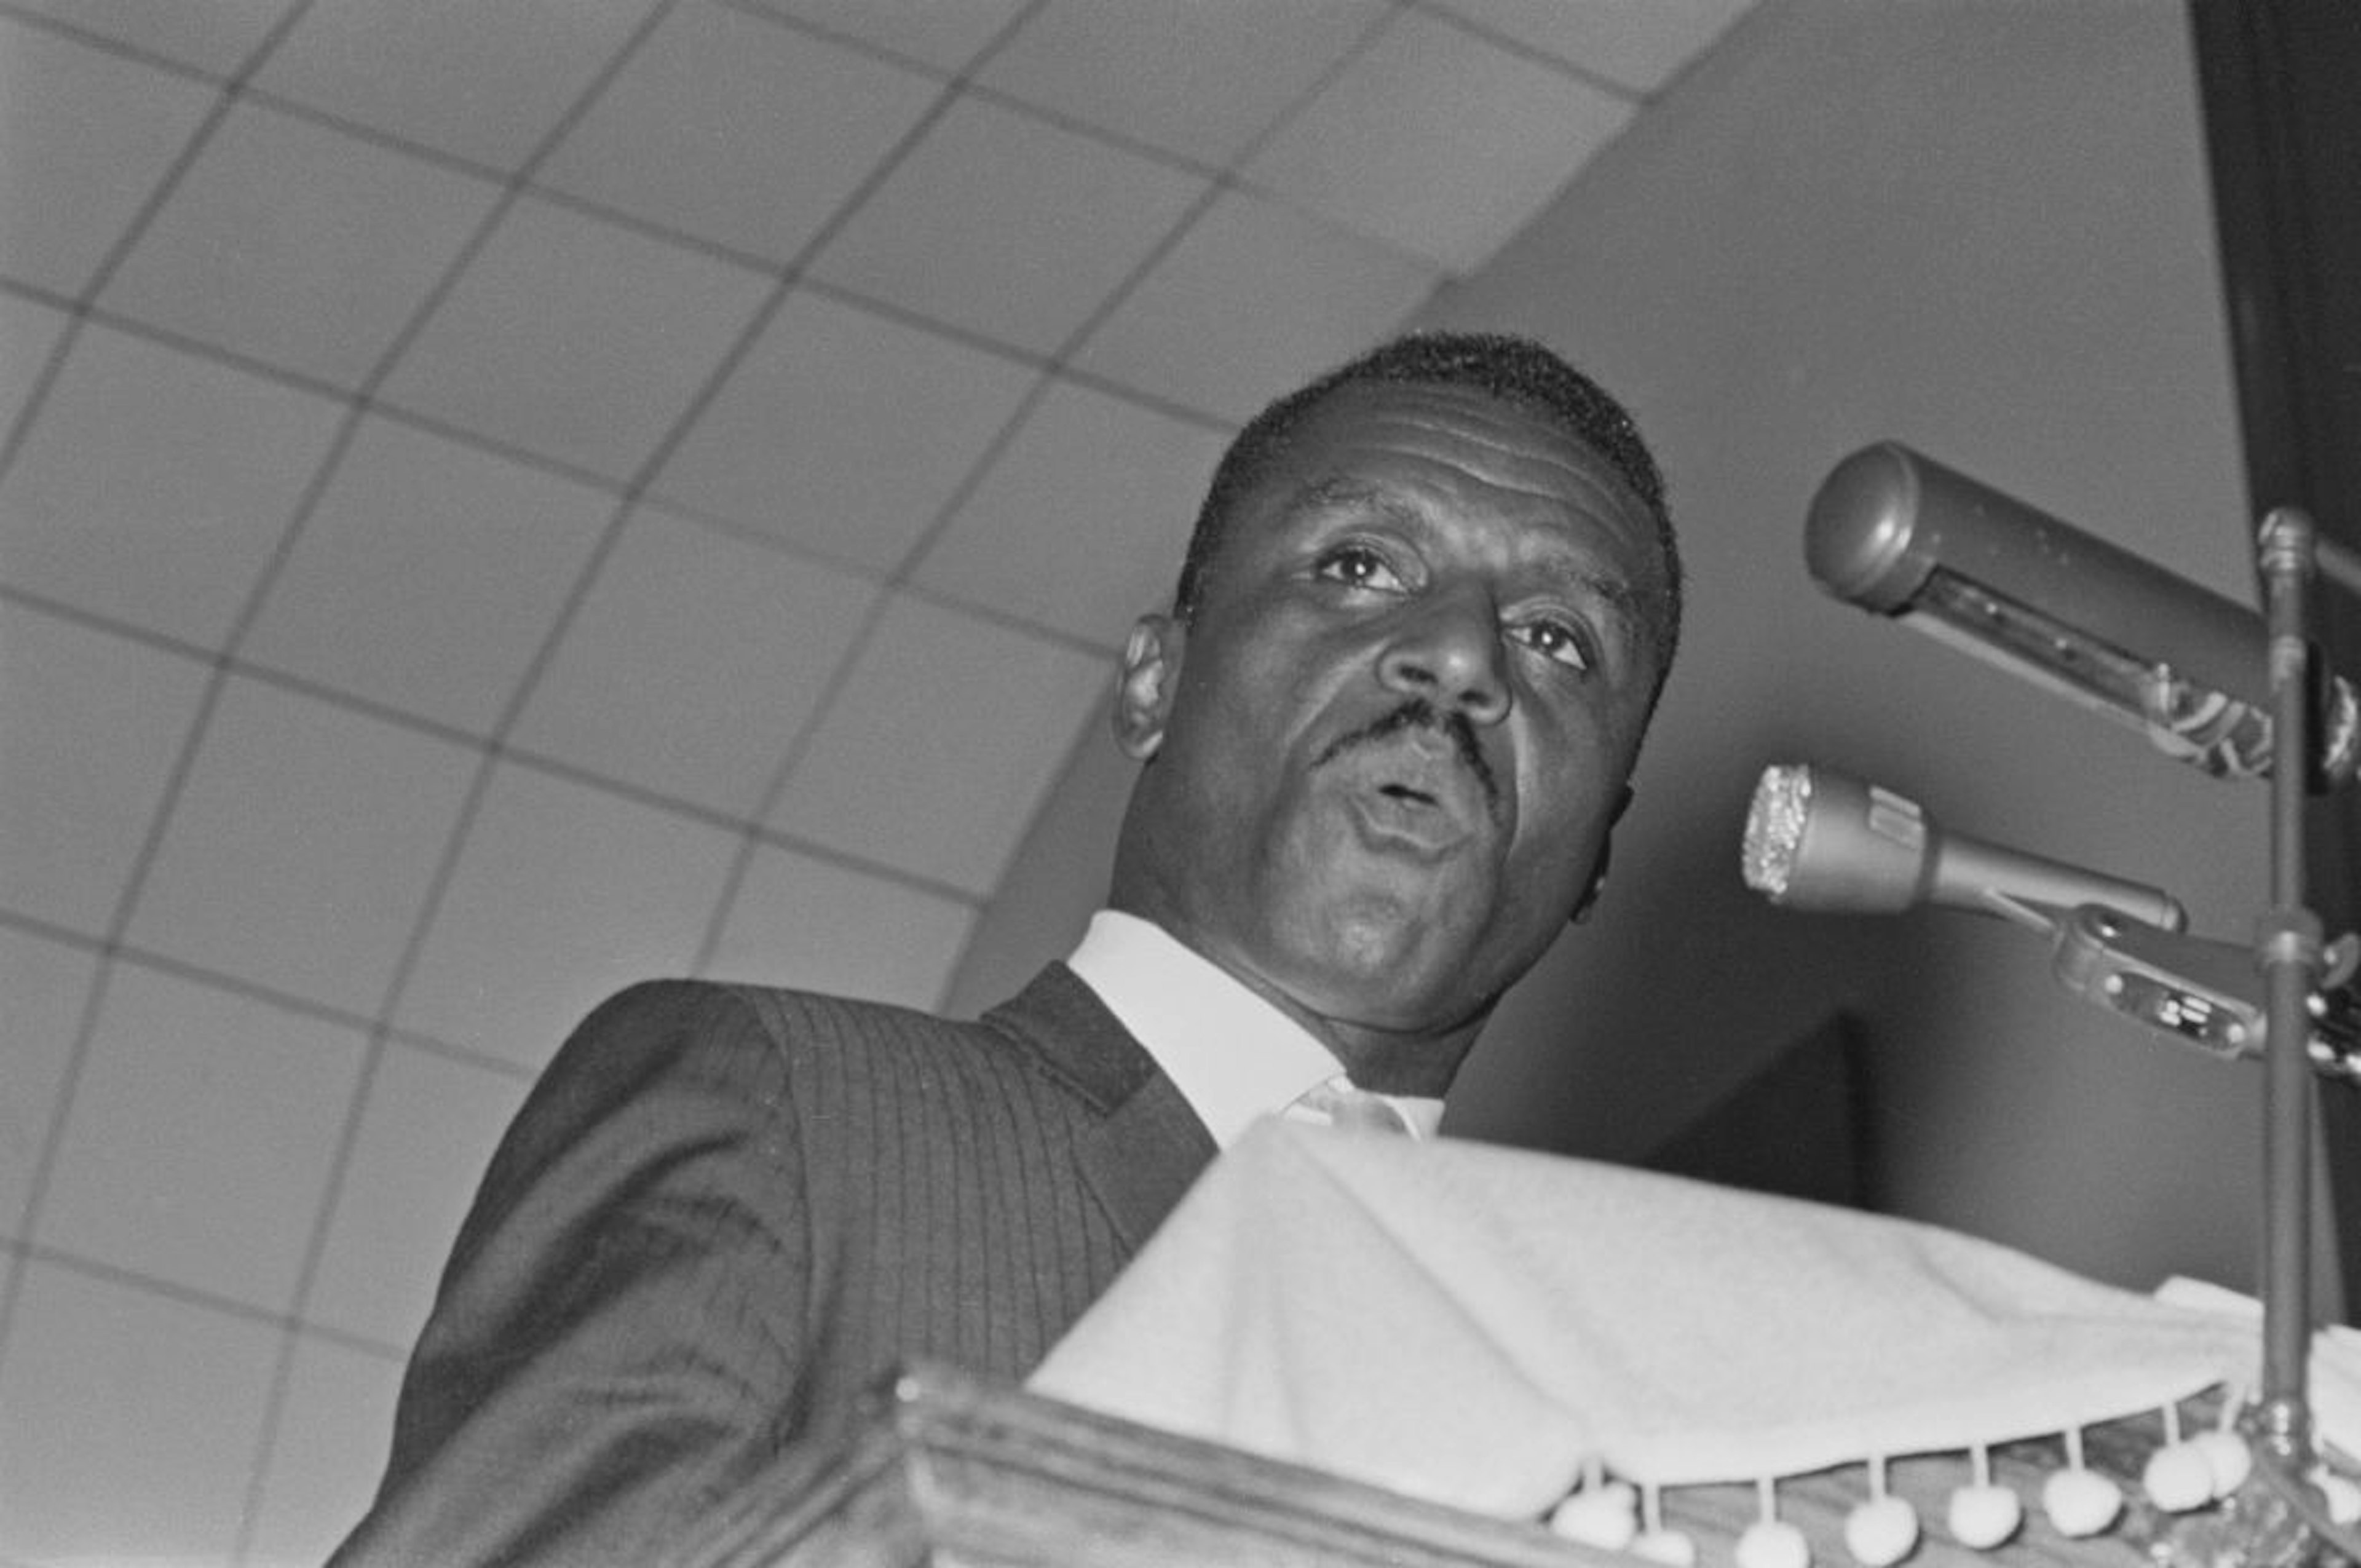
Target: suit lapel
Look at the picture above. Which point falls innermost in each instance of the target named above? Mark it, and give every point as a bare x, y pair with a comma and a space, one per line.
1139, 1189
1143, 1147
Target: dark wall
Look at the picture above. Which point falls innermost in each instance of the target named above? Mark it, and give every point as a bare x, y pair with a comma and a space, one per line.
2283, 127
1983, 228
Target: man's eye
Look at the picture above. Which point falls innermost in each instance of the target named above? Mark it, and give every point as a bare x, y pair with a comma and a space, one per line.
1558, 640
1357, 566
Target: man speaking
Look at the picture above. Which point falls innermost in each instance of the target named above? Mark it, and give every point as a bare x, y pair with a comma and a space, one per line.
1383, 733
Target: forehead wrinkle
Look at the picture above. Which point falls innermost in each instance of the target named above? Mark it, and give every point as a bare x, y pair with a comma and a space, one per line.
1499, 430
1336, 491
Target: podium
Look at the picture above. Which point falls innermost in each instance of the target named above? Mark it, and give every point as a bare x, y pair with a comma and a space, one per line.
948, 1471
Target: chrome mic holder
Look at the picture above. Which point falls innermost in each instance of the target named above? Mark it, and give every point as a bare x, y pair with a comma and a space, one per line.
2201, 991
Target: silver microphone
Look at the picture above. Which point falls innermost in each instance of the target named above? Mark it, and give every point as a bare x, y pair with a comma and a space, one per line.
1819, 841
1900, 535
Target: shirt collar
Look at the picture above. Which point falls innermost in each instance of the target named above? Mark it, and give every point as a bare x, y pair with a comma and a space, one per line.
1233, 1055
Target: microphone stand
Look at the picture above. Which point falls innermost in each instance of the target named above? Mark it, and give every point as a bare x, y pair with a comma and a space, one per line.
2289, 949
2284, 1522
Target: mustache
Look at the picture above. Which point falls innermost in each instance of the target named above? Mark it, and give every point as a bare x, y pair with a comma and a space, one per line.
1419, 713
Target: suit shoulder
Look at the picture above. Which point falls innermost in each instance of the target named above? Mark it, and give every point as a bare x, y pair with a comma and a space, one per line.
777, 1010
802, 1021
777, 1018
762, 1048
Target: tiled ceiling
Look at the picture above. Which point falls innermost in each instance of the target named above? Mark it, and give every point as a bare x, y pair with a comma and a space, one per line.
504, 496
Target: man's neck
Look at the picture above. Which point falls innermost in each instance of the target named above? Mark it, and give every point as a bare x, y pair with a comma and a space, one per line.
1234, 1052
1387, 1061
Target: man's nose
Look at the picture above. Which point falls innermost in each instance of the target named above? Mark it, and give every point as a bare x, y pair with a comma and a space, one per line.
1447, 649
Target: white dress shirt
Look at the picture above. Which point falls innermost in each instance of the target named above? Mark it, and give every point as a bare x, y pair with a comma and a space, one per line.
1233, 1055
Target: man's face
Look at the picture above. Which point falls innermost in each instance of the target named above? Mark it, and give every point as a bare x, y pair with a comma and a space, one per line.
1385, 753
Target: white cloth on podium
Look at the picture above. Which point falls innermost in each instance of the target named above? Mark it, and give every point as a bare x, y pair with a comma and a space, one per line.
1480, 1326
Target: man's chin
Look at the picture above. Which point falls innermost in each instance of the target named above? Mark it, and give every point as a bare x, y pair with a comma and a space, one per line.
1385, 975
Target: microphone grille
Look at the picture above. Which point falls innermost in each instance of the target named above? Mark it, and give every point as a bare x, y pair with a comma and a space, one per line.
1774, 827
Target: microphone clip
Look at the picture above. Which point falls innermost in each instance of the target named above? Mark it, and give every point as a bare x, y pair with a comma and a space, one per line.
2201, 991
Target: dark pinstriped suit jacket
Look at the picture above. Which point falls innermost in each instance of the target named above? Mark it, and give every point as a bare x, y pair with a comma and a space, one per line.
723, 1213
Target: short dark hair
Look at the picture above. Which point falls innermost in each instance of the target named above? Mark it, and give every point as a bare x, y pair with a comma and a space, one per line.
1515, 370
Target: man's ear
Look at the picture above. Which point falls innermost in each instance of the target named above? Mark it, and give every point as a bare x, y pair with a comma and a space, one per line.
1146, 685
1589, 899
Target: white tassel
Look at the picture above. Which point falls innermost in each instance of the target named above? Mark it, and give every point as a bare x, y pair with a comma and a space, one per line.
2179, 1477
1673, 1548
2078, 1502
1881, 1531
1604, 1514
1984, 1515
1770, 1544
2226, 1452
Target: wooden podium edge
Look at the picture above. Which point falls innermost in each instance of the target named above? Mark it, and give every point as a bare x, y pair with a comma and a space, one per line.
942, 1457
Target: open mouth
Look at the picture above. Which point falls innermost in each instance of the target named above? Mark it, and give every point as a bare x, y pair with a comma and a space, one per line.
1426, 818
1438, 753
1417, 784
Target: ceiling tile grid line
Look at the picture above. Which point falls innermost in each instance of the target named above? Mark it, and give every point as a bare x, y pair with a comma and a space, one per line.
41, 1183
66, 1100
799, 744
1080, 375
973, 76
850, 292
260, 589
1467, 19
248, 989
363, 396
390, 358
749, 834
523, 456
1471, 23
774, 787
1058, 363
331, 1205
777, 786
309, 1337
1068, 369
898, 576
673, 236
1638, 53
851, 295
1148, 265
45, 1160
135, 882
648, 471
1113, 387
210, 1300
1061, 357
1236, 171
968, 77
238, 64
754, 825
291, 1329
108, 263
242, 89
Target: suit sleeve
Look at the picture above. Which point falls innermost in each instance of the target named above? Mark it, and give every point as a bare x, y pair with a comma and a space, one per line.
623, 1308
